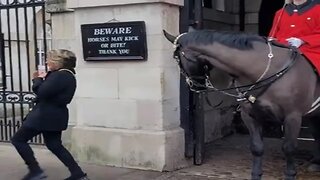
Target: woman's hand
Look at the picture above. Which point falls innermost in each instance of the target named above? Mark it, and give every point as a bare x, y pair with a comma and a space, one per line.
42, 74
35, 74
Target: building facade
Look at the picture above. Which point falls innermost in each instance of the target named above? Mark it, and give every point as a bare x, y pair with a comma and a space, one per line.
127, 113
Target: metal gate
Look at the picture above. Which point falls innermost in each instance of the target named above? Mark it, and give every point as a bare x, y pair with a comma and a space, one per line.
22, 48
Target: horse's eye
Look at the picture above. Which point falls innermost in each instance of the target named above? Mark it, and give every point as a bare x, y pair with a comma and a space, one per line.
206, 67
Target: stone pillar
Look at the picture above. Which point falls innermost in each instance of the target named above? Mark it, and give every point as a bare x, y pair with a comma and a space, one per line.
56, 6
125, 113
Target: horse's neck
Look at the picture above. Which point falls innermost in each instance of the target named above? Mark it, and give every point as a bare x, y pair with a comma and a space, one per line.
248, 65
230, 60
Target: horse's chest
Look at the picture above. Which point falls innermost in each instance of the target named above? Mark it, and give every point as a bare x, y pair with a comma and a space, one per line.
262, 112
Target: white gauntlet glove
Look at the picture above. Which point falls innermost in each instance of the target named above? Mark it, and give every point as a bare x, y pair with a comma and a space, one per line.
296, 42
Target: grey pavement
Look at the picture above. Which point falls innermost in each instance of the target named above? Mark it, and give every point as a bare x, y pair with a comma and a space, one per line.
13, 168
225, 159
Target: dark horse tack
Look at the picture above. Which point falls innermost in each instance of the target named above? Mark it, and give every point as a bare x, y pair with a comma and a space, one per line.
273, 83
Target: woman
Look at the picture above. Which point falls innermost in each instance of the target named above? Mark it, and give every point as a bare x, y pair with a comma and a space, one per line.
49, 116
298, 25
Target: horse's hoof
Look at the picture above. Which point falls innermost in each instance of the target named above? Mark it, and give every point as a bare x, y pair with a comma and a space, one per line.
290, 174
256, 178
290, 178
314, 167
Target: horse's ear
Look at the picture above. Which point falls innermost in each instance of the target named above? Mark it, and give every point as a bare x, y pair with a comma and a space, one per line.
191, 29
170, 37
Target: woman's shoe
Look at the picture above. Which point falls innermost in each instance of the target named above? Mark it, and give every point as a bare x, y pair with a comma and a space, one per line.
35, 176
78, 177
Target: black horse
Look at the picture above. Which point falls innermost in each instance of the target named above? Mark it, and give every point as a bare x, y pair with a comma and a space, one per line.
273, 83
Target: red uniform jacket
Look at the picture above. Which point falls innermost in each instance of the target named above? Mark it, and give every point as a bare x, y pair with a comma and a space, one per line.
302, 22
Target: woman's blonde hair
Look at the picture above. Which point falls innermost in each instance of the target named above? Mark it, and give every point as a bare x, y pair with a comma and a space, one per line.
63, 58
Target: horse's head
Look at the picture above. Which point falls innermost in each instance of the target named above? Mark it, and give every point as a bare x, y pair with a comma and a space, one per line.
192, 66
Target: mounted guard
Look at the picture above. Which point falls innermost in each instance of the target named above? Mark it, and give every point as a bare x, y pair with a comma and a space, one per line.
270, 83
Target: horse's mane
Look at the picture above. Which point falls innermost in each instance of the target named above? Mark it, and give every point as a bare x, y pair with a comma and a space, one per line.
231, 39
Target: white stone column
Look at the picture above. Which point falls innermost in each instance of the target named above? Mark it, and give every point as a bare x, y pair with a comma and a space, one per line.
126, 113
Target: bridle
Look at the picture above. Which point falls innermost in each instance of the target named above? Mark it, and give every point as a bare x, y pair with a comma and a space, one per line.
190, 80
242, 95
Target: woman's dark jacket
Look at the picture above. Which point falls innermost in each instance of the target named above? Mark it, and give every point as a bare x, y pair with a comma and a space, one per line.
53, 94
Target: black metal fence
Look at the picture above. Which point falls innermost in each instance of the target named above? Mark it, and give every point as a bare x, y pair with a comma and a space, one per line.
23, 46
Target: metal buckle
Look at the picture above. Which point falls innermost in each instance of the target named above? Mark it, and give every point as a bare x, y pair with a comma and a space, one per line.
189, 82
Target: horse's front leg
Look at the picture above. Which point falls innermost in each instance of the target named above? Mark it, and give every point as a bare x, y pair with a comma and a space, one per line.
256, 144
292, 125
315, 162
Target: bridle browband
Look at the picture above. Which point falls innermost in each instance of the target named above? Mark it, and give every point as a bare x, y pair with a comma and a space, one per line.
241, 95
175, 42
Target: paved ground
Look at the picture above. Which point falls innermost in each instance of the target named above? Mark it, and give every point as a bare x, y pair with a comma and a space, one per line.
226, 159
12, 167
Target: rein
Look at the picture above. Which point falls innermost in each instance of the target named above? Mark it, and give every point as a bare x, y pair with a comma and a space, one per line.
241, 95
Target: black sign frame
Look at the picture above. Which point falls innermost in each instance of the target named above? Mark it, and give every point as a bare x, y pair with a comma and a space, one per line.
114, 41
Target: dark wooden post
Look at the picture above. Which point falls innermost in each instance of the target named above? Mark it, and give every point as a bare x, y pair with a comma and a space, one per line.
198, 99
198, 14
192, 115
186, 96
242, 15
199, 129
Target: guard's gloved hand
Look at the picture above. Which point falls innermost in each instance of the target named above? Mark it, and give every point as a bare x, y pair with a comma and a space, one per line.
296, 42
